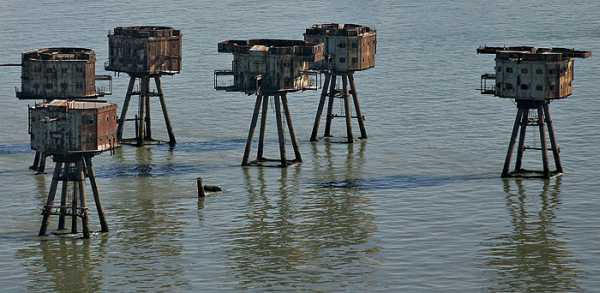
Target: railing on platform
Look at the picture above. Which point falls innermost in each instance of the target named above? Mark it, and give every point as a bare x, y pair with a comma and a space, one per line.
488, 84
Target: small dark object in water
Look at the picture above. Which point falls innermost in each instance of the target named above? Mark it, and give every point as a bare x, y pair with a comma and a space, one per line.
202, 188
212, 188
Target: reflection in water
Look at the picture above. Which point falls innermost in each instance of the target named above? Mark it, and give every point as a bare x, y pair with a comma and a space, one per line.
351, 163
267, 244
149, 233
338, 222
42, 188
66, 264
289, 235
533, 258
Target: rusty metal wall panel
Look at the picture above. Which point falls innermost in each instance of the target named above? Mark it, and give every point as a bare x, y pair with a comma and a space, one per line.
565, 72
39, 133
58, 73
127, 55
87, 130
58, 132
90, 78
64, 127
353, 47
368, 49
506, 79
523, 85
538, 84
106, 128
340, 53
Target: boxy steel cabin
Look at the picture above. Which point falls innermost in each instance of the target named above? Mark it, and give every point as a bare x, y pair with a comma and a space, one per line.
348, 47
272, 65
58, 73
62, 127
528, 73
144, 50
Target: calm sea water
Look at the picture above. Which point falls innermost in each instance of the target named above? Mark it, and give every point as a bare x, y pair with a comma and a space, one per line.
417, 207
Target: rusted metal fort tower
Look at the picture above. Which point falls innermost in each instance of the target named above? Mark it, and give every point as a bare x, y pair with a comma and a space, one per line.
270, 68
348, 48
72, 132
59, 73
144, 52
533, 77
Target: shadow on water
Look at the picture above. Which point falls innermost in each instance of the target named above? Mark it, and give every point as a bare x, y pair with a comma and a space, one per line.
11, 149
352, 173
204, 146
144, 165
400, 182
148, 170
533, 258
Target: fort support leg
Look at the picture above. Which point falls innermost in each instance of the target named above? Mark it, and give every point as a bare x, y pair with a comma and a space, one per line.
125, 107
50, 200
163, 105
92, 176
280, 131
148, 134
82, 200
36, 161
42, 165
288, 119
136, 126
348, 112
521, 148
263, 123
251, 131
330, 105
74, 204
141, 132
553, 144
315, 130
63, 197
511, 145
359, 115
540, 110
